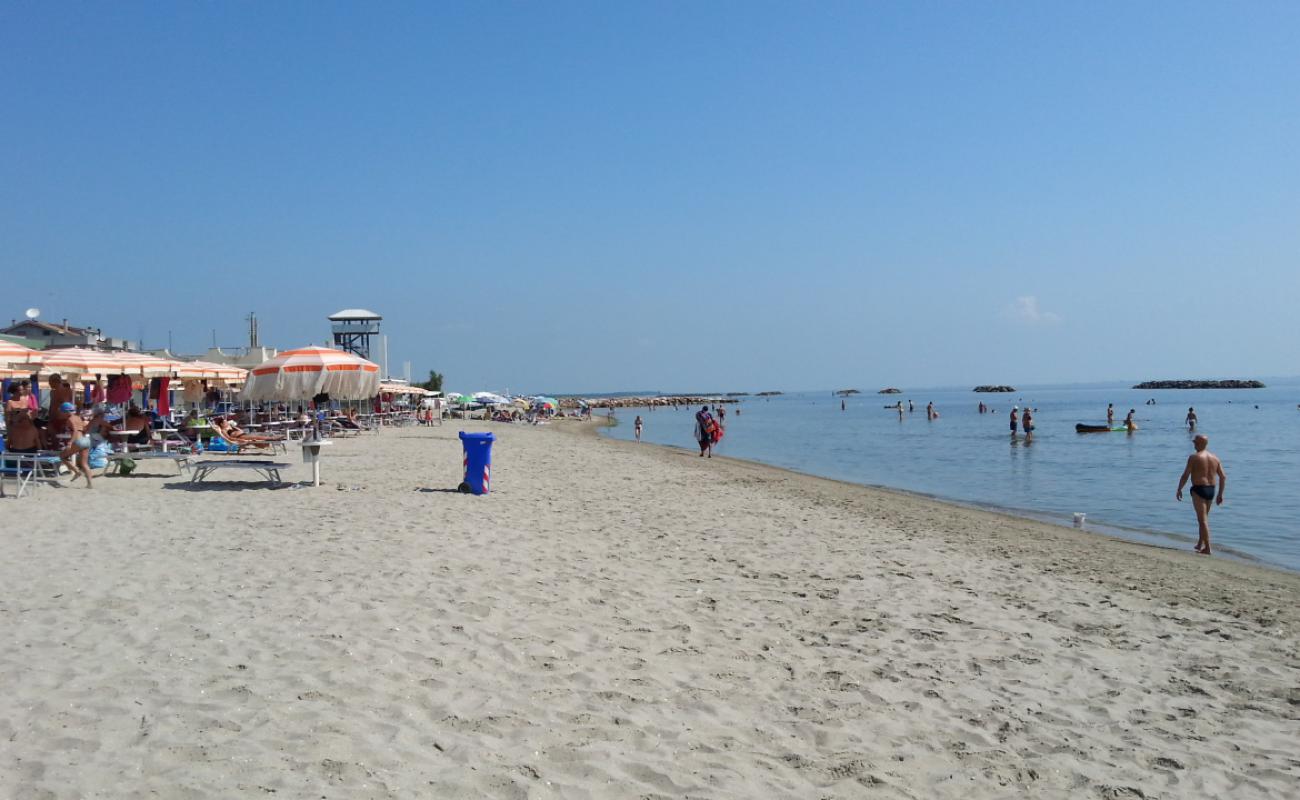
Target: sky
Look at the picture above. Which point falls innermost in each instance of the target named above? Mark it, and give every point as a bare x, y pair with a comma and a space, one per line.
724, 196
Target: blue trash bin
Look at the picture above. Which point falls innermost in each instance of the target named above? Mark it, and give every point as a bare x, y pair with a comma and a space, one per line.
478, 462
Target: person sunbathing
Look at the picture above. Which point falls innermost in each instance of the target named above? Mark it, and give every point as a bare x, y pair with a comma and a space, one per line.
231, 432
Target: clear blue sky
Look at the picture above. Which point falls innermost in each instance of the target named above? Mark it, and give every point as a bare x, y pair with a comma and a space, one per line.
712, 196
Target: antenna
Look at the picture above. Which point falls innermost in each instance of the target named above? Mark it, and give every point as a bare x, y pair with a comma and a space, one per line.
33, 312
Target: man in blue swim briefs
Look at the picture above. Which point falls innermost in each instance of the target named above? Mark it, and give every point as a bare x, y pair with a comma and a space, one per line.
1205, 470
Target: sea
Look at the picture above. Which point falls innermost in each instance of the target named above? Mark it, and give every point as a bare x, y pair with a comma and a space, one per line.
1123, 483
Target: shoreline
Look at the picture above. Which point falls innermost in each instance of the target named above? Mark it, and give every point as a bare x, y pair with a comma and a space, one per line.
1146, 537
1233, 568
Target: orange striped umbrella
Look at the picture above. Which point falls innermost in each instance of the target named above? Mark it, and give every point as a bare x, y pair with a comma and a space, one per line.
12, 353
208, 369
81, 360
308, 371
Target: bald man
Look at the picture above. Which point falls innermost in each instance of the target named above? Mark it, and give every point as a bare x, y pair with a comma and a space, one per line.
1205, 470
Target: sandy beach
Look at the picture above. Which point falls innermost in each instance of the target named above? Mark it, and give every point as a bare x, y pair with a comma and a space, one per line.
619, 620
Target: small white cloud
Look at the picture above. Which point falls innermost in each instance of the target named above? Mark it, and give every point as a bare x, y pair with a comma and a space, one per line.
1025, 309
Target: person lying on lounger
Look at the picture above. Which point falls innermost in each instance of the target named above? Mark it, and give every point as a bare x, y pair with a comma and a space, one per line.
228, 430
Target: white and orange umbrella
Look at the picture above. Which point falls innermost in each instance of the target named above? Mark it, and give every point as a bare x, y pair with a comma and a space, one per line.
84, 361
12, 353
80, 360
146, 365
208, 369
308, 371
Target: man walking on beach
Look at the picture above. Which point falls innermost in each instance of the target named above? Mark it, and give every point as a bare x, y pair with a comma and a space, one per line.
1205, 469
704, 431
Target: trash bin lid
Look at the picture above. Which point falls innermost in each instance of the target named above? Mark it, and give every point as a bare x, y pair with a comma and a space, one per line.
476, 437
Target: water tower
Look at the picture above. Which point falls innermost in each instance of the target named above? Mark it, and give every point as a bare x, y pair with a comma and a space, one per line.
352, 328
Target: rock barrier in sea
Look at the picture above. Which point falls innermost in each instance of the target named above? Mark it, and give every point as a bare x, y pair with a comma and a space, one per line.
992, 388
641, 402
1200, 385
890, 390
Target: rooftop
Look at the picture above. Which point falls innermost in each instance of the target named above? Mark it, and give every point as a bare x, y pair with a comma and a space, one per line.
46, 326
353, 313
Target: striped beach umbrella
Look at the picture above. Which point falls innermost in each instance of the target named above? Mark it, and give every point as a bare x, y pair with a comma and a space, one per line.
14, 354
207, 369
308, 371
82, 361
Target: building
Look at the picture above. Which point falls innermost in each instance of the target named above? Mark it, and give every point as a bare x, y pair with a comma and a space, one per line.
65, 335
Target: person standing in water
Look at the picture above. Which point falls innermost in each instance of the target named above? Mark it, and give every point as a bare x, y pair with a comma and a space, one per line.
1110, 415
1191, 419
1205, 470
1129, 422
636, 426
1027, 423
1015, 413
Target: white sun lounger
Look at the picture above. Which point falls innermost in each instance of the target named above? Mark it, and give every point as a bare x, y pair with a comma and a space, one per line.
181, 460
269, 470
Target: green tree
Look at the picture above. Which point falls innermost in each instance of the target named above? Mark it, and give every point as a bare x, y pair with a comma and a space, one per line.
434, 384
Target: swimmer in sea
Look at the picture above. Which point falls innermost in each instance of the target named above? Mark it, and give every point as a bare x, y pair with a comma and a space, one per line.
1110, 415
1015, 413
1204, 469
1191, 419
1128, 421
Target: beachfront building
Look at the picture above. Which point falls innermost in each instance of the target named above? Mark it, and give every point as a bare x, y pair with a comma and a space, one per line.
65, 335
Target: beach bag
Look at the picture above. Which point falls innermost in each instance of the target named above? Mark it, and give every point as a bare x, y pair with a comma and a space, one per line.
98, 457
126, 466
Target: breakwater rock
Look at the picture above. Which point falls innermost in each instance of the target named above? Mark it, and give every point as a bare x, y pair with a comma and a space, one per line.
640, 402
994, 389
768, 394
848, 392
1200, 385
890, 390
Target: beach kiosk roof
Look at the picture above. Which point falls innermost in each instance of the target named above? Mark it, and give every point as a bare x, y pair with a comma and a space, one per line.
353, 314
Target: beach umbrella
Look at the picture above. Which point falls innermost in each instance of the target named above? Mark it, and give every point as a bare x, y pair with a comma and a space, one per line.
207, 369
308, 371
145, 365
489, 398
83, 361
14, 354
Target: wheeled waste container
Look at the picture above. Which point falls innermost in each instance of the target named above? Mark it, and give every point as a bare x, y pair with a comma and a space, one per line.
478, 462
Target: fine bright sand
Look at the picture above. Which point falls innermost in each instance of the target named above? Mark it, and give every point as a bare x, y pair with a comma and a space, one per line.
619, 620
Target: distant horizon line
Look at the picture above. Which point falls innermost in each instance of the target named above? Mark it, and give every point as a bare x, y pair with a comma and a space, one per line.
1120, 383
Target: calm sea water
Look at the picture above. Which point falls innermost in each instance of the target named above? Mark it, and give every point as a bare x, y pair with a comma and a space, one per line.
1124, 483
